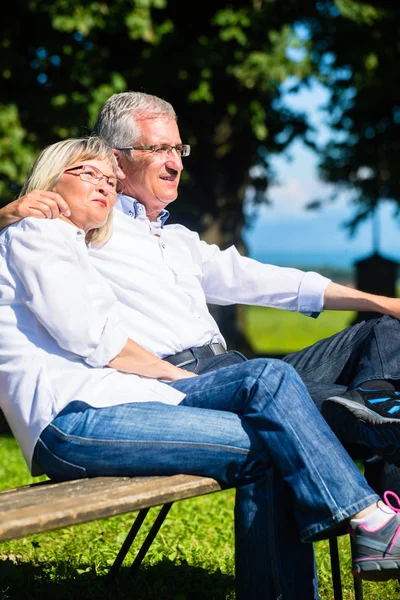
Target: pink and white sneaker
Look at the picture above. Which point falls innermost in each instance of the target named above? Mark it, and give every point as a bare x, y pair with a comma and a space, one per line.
376, 553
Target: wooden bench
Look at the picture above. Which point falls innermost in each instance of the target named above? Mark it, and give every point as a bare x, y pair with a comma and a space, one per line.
48, 505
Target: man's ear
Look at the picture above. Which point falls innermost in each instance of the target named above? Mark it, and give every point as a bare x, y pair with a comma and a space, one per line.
120, 169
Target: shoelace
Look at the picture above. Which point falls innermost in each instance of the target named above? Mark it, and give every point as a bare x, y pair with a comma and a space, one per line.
385, 400
397, 510
386, 500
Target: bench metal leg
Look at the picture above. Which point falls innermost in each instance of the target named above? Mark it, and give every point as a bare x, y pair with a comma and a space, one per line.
358, 588
336, 579
155, 528
335, 569
130, 538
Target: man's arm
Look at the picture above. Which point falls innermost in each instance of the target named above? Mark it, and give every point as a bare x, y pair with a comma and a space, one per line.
39, 204
341, 297
229, 278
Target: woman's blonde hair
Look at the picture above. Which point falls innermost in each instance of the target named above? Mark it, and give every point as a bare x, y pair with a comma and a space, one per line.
51, 162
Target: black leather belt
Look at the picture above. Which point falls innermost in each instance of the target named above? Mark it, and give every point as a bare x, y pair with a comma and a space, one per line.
181, 359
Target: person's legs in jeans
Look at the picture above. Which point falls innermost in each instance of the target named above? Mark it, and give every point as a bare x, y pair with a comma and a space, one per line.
249, 518
361, 353
275, 404
276, 420
366, 351
157, 439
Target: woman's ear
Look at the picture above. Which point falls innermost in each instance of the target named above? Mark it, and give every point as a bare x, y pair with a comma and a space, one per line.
120, 169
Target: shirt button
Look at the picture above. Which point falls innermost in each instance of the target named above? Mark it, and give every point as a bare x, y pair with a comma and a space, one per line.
162, 245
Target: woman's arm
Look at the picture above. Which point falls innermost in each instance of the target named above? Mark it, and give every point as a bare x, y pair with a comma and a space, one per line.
57, 283
39, 204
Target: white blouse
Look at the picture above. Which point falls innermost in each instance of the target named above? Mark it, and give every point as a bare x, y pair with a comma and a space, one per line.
60, 325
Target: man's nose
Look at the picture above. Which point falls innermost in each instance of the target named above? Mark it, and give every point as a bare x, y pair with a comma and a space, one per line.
174, 160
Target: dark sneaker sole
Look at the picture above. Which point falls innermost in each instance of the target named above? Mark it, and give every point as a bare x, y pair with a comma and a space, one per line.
354, 423
377, 570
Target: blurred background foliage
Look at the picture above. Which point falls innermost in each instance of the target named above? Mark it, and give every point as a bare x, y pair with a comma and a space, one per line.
221, 65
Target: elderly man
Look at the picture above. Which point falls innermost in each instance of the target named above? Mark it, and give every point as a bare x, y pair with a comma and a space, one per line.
164, 277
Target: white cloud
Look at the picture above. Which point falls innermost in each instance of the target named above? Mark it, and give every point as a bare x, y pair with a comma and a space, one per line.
291, 198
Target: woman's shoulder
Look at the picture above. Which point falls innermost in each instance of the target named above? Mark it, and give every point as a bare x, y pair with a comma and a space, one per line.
31, 226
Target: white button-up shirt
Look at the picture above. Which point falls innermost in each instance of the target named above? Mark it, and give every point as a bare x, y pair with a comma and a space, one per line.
60, 325
164, 277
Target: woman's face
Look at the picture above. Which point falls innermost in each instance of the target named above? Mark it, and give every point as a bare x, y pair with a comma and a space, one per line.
89, 196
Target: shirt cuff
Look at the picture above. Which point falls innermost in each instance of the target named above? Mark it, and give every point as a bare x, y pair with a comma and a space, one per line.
113, 340
311, 294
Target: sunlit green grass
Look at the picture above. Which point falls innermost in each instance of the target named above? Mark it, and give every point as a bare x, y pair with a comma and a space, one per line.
273, 331
192, 557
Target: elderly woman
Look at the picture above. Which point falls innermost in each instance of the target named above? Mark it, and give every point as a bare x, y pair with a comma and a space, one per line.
84, 400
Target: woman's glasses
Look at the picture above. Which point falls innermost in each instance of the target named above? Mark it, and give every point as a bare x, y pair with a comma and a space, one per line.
94, 175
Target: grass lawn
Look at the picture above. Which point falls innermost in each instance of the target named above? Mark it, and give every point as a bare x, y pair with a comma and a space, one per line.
191, 558
273, 331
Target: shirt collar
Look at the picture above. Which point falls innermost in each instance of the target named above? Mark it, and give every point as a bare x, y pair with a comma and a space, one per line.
131, 207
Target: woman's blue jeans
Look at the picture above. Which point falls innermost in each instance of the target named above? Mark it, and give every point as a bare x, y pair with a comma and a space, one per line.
252, 426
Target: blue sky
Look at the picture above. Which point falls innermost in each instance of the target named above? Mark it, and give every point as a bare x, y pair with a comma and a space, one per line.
286, 234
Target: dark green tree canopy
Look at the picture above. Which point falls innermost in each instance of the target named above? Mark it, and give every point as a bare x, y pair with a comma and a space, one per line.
221, 65
357, 48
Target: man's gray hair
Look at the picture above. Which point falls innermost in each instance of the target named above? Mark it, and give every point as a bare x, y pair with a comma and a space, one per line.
118, 121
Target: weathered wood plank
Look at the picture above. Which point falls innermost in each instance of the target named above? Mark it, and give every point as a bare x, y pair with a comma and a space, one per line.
45, 506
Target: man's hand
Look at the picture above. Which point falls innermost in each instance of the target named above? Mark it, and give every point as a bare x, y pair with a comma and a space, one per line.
38, 203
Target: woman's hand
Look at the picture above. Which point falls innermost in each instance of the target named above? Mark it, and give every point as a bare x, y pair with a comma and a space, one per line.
179, 374
135, 359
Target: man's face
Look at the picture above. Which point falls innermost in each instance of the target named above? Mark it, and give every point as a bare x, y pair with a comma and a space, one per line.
152, 178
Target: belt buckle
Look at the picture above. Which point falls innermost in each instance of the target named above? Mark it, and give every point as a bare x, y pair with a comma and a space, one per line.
216, 348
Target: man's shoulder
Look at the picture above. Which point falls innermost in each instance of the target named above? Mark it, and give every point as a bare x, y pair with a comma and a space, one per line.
179, 229
120, 219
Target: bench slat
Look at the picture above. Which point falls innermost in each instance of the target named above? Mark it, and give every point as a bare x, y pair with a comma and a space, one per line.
45, 506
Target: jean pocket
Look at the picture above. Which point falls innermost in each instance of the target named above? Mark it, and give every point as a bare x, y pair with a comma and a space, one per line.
239, 354
56, 468
193, 366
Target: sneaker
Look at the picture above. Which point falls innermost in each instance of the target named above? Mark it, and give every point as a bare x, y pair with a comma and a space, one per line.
370, 418
376, 553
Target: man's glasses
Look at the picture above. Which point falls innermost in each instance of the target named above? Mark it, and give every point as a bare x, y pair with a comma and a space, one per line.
181, 149
94, 175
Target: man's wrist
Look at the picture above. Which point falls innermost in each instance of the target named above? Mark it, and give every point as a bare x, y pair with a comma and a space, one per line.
8, 216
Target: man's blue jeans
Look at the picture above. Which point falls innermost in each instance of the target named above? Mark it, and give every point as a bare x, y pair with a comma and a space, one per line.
251, 426
359, 353
368, 350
